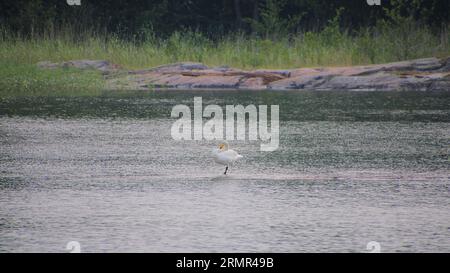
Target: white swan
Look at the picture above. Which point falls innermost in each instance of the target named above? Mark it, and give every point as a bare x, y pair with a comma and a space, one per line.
225, 156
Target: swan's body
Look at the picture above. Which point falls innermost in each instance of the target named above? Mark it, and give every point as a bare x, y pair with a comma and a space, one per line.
225, 156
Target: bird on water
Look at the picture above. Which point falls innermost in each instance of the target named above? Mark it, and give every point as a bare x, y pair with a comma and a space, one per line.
225, 156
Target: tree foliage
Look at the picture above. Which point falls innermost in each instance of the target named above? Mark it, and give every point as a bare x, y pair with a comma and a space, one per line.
267, 18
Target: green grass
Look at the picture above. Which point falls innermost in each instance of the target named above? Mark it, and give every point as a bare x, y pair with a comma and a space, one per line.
22, 79
330, 47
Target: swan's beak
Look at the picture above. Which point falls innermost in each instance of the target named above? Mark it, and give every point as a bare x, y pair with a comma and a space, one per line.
221, 146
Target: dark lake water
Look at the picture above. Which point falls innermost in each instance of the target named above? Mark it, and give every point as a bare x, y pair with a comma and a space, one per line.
352, 167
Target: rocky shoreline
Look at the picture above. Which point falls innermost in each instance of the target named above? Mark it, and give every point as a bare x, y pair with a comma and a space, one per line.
427, 74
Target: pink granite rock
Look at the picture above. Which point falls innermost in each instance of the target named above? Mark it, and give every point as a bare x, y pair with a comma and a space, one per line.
422, 74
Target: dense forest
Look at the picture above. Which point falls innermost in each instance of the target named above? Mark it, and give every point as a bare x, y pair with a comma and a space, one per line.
213, 18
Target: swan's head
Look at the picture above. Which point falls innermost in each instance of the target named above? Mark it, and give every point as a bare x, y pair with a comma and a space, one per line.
223, 146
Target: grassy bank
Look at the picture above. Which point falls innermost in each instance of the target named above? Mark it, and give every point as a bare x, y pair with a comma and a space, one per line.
329, 47
24, 79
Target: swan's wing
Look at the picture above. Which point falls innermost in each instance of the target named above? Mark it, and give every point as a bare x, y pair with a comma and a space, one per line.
231, 154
